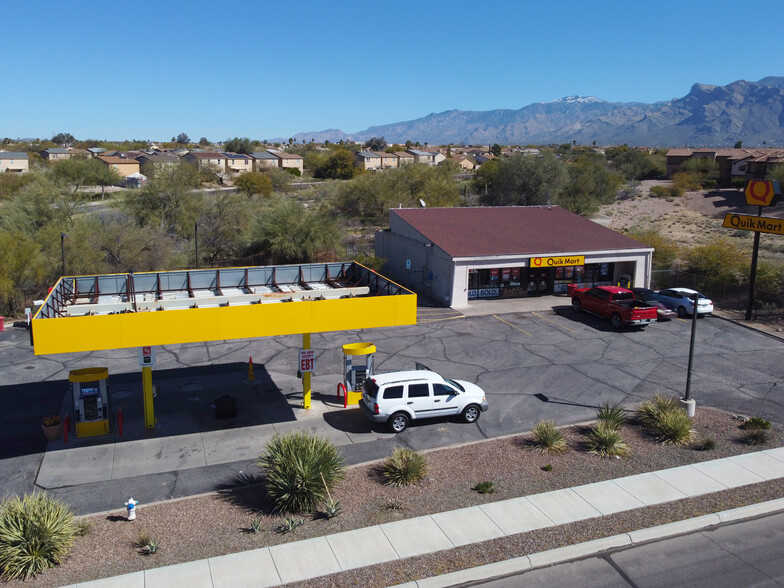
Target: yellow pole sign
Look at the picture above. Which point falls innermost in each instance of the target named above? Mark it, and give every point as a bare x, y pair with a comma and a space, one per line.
761, 224
307, 361
557, 261
761, 192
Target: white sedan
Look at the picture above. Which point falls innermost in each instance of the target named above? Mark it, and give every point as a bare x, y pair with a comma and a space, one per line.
681, 300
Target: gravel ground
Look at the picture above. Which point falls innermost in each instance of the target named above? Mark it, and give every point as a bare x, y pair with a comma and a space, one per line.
219, 523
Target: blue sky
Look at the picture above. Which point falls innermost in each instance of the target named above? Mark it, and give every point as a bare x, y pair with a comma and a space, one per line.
259, 69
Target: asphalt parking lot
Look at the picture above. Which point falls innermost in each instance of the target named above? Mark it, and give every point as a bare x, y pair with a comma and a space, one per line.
551, 364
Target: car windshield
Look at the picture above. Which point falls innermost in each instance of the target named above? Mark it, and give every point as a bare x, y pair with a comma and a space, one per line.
455, 384
624, 296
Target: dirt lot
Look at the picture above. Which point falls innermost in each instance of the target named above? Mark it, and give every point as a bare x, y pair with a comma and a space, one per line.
694, 218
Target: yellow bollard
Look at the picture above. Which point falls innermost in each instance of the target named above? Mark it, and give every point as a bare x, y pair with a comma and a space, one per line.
306, 375
147, 389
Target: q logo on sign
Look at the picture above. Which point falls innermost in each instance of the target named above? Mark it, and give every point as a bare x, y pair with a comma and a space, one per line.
536, 261
760, 192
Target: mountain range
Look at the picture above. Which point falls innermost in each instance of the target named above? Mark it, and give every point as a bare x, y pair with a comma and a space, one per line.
715, 116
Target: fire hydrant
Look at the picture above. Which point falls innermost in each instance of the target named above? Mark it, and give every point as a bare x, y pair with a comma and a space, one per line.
131, 506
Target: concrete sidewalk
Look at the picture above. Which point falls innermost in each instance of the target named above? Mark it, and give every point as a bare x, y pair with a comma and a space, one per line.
315, 557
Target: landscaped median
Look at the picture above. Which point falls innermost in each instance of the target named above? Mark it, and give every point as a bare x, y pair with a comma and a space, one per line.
222, 523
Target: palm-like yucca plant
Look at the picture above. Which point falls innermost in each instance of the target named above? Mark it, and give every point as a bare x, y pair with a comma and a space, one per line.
613, 416
404, 467
36, 532
674, 428
299, 469
650, 411
547, 437
605, 440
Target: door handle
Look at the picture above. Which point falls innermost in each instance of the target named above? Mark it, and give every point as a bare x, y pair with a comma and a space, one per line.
436, 401
410, 402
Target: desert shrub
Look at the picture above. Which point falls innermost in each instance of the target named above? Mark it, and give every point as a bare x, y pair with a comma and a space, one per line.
687, 181
674, 428
36, 533
299, 469
705, 444
665, 251
720, 259
548, 467
547, 438
606, 440
676, 191
612, 416
484, 488
755, 424
289, 525
404, 468
660, 191
755, 437
709, 184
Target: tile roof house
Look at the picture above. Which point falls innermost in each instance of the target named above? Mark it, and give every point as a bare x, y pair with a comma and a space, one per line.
55, 154
404, 158
290, 160
459, 254
367, 160
203, 160
388, 159
422, 156
463, 162
264, 160
15, 162
158, 160
238, 163
735, 163
122, 165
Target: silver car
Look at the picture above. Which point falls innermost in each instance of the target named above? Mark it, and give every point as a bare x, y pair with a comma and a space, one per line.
681, 300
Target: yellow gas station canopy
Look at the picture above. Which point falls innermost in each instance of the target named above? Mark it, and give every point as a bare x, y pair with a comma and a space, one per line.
112, 311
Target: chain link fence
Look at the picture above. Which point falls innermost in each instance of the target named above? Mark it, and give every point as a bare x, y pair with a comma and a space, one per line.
768, 304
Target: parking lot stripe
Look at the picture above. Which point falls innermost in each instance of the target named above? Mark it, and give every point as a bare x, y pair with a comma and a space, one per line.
549, 321
511, 325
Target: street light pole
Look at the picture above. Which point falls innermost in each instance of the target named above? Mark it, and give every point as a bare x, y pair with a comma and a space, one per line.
196, 240
689, 403
62, 249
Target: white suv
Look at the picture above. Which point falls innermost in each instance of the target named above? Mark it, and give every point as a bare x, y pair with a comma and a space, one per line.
397, 398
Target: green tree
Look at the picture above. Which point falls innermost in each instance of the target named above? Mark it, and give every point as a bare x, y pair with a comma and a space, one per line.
484, 177
80, 171
238, 145
20, 264
289, 233
339, 166
720, 260
251, 183
63, 139
633, 164
776, 173
376, 144
204, 141
183, 139
167, 202
526, 180
496, 149
738, 144
223, 229
590, 185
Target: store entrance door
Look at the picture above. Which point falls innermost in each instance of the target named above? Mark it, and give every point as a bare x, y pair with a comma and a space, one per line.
540, 281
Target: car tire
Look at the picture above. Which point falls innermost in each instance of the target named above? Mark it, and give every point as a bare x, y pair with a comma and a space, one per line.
577, 306
682, 313
615, 321
471, 413
398, 422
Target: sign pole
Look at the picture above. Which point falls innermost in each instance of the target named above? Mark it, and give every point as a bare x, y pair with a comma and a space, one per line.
306, 374
753, 272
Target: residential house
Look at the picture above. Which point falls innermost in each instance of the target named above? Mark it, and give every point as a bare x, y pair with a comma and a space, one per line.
78, 152
388, 160
96, 151
158, 160
122, 165
404, 158
732, 164
367, 160
238, 163
204, 160
290, 160
438, 157
55, 154
463, 162
14, 162
422, 156
483, 158
263, 160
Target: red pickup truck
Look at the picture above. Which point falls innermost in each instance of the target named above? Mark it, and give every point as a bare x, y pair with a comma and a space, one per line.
614, 303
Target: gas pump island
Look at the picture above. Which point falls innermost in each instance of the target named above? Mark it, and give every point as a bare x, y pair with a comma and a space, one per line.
114, 311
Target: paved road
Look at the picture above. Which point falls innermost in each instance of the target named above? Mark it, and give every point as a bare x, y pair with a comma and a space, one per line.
739, 554
551, 364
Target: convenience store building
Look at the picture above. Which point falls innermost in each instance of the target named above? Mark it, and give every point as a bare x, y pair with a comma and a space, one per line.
461, 256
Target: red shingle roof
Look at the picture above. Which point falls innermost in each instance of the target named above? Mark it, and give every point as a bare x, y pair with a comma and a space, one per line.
512, 230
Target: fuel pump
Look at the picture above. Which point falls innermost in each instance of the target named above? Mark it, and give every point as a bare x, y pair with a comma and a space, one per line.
90, 401
357, 367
